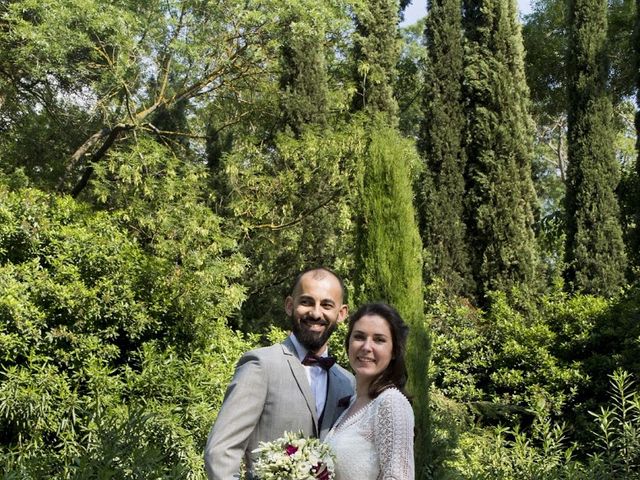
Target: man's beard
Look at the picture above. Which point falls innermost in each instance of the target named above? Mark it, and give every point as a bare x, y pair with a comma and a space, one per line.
312, 341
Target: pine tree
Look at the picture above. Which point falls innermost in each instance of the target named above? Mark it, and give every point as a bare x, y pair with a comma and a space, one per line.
440, 146
596, 258
388, 246
501, 200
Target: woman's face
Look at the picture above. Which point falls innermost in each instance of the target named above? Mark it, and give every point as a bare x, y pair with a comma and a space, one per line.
370, 347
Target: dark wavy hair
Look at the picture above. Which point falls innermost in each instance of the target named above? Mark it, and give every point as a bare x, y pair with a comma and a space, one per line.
395, 375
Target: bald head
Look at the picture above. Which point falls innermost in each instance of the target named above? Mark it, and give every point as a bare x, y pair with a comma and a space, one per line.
318, 273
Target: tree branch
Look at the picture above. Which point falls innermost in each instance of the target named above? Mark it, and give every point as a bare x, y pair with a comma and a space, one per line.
301, 217
111, 137
80, 152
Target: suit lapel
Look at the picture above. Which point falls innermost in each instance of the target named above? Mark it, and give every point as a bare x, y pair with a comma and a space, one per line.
334, 391
300, 376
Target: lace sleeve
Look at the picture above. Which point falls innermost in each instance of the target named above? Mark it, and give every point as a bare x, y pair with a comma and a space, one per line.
394, 436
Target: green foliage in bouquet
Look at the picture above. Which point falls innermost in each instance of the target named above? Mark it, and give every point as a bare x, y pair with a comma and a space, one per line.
294, 457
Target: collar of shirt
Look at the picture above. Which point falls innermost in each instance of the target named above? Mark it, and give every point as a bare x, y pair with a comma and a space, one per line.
302, 351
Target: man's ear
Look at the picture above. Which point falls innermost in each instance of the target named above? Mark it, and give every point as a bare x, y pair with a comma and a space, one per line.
288, 305
343, 313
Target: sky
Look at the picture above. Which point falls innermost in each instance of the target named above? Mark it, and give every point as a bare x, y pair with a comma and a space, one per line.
418, 7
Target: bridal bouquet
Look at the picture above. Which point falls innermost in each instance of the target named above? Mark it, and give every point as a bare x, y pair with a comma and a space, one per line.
294, 457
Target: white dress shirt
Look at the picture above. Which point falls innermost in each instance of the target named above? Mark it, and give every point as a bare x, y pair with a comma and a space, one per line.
316, 375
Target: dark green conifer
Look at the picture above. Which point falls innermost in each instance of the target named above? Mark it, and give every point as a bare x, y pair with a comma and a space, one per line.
440, 144
376, 52
388, 246
596, 258
303, 80
501, 200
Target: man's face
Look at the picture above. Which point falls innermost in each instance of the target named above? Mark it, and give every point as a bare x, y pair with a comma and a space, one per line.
315, 308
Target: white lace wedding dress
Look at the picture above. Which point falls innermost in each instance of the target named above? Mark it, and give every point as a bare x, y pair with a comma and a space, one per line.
376, 442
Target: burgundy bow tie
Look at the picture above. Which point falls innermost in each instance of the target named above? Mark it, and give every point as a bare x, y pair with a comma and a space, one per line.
324, 362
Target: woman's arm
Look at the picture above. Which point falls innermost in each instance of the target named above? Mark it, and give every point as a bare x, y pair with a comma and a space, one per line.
393, 431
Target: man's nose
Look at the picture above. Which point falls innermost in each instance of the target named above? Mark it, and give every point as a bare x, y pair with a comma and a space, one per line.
316, 312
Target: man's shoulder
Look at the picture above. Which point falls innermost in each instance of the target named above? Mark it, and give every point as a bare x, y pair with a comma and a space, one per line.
340, 371
277, 350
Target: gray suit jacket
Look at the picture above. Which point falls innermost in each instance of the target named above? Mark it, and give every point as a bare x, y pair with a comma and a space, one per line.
268, 395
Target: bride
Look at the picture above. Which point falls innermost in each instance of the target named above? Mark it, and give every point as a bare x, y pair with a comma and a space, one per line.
373, 438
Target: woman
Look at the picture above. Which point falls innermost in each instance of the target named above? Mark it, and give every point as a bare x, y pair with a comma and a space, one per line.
373, 438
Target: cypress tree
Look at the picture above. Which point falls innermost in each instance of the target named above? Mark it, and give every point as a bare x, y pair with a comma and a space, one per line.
388, 247
303, 81
388, 258
440, 144
501, 200
596, 258
376, 52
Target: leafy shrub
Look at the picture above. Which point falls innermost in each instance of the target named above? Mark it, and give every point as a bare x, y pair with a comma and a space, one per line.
115, 353
506, 355
544, 451
617, 432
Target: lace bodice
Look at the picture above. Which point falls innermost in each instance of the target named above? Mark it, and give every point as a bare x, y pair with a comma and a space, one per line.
376, 442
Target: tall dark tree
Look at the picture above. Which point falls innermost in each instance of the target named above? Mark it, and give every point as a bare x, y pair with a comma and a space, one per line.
595, 251
442, 188
388, 246
376, 50
303, 80
635, 242
501, 201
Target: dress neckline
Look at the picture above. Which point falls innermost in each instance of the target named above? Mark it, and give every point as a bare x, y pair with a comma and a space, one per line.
345, 419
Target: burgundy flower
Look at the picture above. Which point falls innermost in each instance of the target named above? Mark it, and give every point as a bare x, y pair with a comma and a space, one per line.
322, 473
291, 450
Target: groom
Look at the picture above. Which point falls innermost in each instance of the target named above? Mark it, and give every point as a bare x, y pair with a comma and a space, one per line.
290, 386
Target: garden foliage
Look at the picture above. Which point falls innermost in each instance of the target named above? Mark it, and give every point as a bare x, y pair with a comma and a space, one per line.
115, 351
166, 168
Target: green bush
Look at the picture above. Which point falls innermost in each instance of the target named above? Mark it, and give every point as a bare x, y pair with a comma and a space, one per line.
506, 355
115, 353
543, 450
523, 364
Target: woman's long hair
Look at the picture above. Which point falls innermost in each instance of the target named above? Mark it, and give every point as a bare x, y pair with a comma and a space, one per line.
395, 375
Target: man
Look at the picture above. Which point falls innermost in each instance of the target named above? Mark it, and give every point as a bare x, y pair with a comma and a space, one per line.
272, 391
